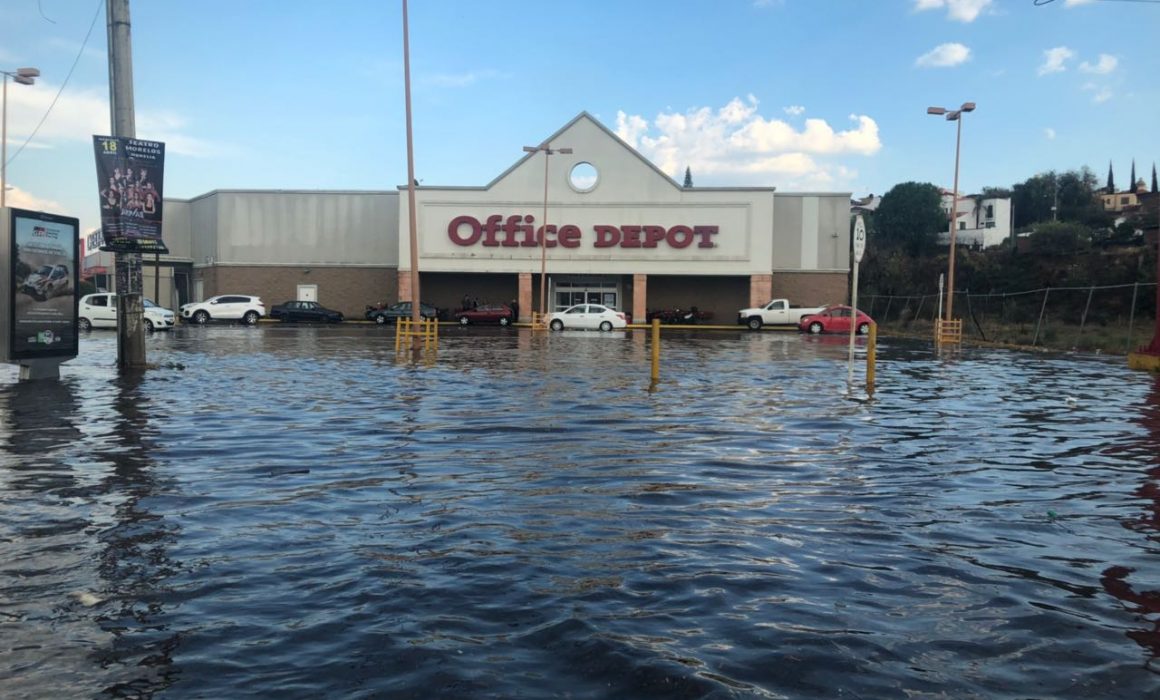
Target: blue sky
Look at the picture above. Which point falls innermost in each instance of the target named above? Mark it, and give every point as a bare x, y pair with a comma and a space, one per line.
803, 95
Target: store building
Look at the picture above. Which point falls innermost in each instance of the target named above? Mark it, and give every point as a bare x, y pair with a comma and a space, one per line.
619, 232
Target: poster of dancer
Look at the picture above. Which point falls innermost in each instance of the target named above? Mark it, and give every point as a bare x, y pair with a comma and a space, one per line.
130, 173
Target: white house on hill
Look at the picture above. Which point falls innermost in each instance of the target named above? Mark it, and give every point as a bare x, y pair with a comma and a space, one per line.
979, 222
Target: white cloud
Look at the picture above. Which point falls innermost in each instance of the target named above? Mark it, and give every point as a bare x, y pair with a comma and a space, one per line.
735, 144
16, 197
1054, 60
944, 56
1049, 133
1100, 93
958, 10
81, 113
1105, 65
794, 110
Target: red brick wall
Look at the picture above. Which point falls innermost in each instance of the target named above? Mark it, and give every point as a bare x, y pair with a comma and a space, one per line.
345, 289
811, 288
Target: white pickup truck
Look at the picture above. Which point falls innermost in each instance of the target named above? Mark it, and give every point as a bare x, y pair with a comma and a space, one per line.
776, 313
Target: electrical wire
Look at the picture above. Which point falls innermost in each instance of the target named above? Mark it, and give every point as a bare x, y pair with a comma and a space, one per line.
62, 85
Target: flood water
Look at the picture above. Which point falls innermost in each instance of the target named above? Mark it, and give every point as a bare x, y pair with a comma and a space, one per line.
296, 513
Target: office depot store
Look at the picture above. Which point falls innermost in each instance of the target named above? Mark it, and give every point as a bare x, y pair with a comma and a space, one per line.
620, 232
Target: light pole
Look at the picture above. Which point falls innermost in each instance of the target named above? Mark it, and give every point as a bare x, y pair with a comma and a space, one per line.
24, 76
548, 150
955, 115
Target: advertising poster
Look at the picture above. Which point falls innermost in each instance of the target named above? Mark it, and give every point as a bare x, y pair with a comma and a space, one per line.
44, 275
130, 173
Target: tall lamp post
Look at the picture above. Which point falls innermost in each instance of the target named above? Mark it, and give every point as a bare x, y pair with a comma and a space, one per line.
548, 150
24, 76
953, 115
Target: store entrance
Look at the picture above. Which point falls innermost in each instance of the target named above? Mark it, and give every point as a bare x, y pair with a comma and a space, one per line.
568, 292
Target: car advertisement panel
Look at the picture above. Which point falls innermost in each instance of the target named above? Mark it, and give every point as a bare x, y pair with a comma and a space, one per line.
44, 290
130, 174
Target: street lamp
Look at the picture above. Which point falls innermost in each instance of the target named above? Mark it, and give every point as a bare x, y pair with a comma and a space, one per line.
548, 150
953, 115
24, 76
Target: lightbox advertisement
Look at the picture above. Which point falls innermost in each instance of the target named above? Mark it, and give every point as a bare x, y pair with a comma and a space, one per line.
44, 285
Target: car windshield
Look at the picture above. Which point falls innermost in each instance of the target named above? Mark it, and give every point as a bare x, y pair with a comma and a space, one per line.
149, 304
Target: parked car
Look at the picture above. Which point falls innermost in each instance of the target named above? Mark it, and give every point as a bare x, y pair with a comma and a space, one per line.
225, 307
836, 319
588, 316
392, 313
488, 313
47, 282
688, 316
306, 311
100, 311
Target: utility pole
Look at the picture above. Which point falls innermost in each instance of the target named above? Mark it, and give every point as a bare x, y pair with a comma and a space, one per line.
130, 312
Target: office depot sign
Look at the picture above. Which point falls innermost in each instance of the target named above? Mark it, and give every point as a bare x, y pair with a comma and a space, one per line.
518, 230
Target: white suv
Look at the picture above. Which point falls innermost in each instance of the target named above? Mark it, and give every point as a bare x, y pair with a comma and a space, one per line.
100, 311
225, 307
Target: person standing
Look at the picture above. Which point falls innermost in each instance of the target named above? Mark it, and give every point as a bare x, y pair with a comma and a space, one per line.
515, 310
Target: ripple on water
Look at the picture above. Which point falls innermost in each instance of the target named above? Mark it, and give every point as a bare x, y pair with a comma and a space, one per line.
296, 512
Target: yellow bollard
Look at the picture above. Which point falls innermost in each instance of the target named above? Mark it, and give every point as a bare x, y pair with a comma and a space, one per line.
655, 351
871, 357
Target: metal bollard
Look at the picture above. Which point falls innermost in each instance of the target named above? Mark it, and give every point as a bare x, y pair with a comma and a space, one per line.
656, 350
871, 357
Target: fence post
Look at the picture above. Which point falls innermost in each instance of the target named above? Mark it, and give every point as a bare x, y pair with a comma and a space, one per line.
656, 350
1039, 323
1083, 319
1132, 316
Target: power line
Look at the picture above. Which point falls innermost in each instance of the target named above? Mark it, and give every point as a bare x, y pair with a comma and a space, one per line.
62, 85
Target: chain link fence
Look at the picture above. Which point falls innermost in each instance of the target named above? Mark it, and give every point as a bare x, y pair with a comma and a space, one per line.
1111, 319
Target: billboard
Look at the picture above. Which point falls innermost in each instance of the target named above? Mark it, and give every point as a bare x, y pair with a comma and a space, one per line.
130, 174
43, 255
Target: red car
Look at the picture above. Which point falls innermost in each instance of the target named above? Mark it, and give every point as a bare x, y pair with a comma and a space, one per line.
836, 319
488, 313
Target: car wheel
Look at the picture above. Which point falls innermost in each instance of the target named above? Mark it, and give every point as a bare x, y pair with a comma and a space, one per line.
380, 319
863, 328
148, 326
84, 324
606, 326
557, 325
816, 327
463, 321
505, 321
754, 323
250, 318
201, 317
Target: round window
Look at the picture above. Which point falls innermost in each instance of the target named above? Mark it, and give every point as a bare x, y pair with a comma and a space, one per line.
583, 177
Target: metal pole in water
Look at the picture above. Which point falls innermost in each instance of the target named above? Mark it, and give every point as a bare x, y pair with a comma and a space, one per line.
859, 249
656, 350
871, 356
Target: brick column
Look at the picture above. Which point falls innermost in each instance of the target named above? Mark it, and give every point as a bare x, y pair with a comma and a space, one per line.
405, 285
760, 289
639, 298
525, 297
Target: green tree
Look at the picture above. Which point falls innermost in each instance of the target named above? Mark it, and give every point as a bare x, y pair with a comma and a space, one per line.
1154, 188
996, 193
1111, 188
688, 177
1132, 182
909, 218
1060, 238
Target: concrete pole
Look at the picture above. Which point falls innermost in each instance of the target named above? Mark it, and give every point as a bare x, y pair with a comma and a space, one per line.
130, 312
4, 145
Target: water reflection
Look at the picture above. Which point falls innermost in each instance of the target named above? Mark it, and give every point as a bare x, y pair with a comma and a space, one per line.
283, 511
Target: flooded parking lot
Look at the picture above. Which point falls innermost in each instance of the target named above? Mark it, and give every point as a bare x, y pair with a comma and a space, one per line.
297, 512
